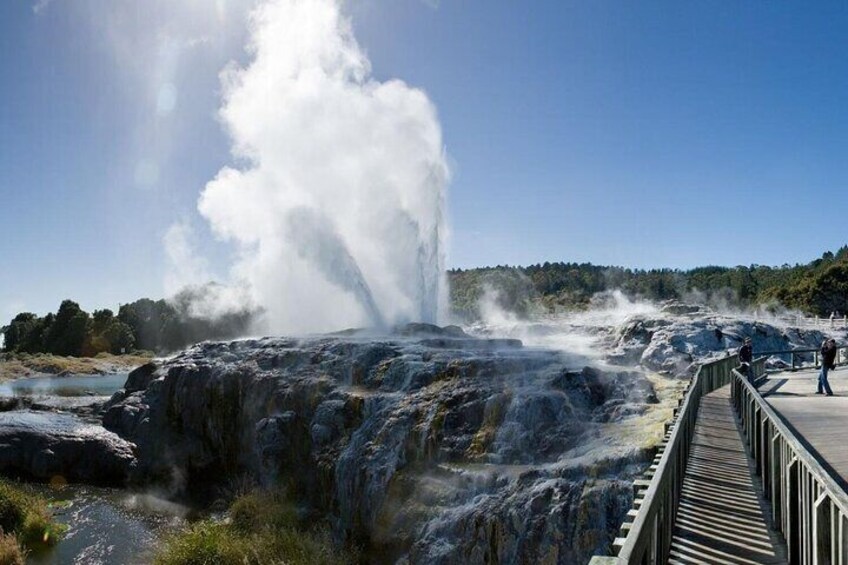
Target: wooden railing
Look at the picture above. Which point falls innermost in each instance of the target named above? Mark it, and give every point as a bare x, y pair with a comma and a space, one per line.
808, 506
826, 322
814, 321
797, 356
647, 532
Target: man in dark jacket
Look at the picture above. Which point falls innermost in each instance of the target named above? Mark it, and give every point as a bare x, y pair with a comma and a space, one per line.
746, 359
828, 361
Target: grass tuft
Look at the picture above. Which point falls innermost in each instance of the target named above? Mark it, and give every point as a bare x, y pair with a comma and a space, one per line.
263, 530
28, 518
256, 512
11, 552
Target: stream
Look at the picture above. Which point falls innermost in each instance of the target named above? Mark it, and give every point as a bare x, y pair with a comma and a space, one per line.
105, 525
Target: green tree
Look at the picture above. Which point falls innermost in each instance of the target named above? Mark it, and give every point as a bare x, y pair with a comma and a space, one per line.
68, 333
18, 331
120, 337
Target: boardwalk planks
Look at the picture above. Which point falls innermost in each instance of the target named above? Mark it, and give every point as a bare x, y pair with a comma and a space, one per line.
722, 517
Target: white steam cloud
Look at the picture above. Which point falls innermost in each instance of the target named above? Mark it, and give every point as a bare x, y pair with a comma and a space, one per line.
337, 206
185, 266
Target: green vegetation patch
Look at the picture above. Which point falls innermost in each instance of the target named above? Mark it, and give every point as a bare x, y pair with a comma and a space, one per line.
28, 518
147, 325
263, 528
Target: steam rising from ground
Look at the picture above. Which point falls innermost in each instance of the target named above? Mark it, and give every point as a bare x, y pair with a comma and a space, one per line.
664, 336
578, 335
337, 208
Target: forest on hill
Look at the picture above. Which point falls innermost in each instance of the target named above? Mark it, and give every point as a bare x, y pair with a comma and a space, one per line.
818, 288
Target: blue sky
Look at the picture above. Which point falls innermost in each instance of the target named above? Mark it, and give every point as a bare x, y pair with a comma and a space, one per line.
639, 134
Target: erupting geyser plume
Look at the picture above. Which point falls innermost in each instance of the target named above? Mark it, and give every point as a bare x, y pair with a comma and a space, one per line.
337, 203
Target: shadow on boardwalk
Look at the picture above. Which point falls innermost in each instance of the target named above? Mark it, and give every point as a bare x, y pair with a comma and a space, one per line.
723, 517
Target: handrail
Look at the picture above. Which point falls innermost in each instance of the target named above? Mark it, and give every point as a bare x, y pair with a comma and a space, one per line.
808, 506
648, 538
796, 350
815, 321
840, 358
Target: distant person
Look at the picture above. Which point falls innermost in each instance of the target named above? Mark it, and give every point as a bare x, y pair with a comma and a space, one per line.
746, 359
832, 318
719, 336
828, 361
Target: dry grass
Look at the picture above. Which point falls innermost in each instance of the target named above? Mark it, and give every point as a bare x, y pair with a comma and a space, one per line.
18, 365
11, 552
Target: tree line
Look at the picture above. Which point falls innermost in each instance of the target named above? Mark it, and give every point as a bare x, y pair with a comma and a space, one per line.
159, 326
818, 288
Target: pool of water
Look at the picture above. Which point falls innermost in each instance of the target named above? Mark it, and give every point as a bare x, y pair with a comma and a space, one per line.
107, 526
71, 385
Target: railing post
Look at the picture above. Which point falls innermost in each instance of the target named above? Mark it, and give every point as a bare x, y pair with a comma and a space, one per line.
793, 501
764, 446
776, 480
822, 542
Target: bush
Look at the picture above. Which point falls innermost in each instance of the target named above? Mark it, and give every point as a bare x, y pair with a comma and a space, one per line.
263, 530
255, 512
205, 543
11, 552
27, 517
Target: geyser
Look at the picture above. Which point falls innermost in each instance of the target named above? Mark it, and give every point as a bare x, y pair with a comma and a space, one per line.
336, 204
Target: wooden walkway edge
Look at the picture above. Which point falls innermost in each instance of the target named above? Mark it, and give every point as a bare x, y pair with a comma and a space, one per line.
723, 517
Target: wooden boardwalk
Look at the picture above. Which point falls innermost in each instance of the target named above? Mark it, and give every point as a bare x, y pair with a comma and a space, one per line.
820, 422
722, 517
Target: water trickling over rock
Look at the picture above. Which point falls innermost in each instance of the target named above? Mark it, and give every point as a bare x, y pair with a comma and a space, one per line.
425, 447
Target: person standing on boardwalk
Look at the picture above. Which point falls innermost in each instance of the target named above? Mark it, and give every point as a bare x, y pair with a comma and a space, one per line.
746, 359
828, 361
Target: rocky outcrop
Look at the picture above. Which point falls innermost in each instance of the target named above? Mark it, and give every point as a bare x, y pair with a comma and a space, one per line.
675, 344
139, 378
47, 445
538, 518
427, 448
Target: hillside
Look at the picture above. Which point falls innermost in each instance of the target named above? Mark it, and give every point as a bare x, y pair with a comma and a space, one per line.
818, 288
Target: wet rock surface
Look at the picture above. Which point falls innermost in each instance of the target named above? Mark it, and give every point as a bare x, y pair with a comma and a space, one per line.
48, 445
419, 450
50, 429
428, 446
673, 344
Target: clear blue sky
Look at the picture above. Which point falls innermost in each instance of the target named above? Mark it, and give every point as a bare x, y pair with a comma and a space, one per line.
642, 134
